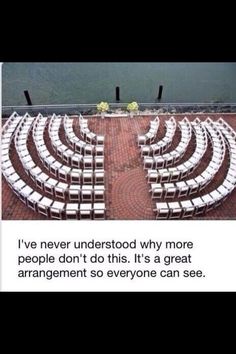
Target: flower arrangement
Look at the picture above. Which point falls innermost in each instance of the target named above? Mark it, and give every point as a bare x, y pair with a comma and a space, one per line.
132, 107
102, 107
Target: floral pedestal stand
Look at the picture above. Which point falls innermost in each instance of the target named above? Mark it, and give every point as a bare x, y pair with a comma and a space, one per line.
132, 113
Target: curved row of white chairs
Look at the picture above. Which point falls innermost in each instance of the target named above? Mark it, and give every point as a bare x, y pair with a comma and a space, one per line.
91, 197
194, 185
79, 145
89, 136
170, 158
67, 154
230, 136
208, 201
51, 208
177, 173
150, 136
7, 135
8, 131
59, 170
87, 192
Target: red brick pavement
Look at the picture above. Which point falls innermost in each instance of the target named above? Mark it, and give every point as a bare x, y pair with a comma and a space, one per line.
127, 190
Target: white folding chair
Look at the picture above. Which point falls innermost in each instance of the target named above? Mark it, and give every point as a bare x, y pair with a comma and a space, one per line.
79, 146
99, 177
48, 162
63, 173
75, 176
199, 204
88, 162
188, 209
9, 171
88, 150
35, 172
223, 191
156, 190
164, 176
217, 197
228, 185
100, 140
44, 154
90, 138
193, 186
158, 162
99, 162
87, 177
67, 156
6, 164
148, 163
175, 210
189, 166
145, 150
182, 189
169, 190
25, 193
182, 170
152, 176
200, 181
209, 201
155, 149
41, 179
55, 167
33, 200
141, 140
60, 190
44, 206
162, 211
99, 193
99, 150
49, 186
72, 211
87, 193
56, 210
174, 174
13, 178
99, 211
74, 192
17, 186
61, 150
76, 160
85, 211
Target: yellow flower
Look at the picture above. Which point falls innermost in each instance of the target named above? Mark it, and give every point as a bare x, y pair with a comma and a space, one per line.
102, 106
133, 106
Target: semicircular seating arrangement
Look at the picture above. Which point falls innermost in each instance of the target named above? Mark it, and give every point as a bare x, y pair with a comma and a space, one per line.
171, 183
193, 185
79, 145
184, 169
61, 191
168, 159
67, 154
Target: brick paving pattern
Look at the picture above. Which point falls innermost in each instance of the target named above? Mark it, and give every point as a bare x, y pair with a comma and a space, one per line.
127, 190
